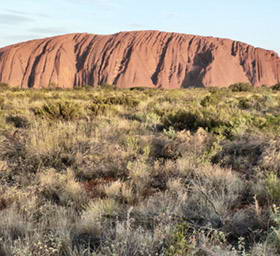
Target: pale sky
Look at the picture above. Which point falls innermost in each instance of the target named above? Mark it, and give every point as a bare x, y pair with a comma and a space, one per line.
252, 21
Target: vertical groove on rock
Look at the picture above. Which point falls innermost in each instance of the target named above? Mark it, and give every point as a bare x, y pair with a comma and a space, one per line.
31, 78
83, 56
104, 59
124, 63
29, 65
161, 62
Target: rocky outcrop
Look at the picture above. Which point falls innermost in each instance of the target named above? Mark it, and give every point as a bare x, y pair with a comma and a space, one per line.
132, 59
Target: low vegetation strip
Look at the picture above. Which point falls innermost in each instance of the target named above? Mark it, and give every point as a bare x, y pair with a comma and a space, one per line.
104, 171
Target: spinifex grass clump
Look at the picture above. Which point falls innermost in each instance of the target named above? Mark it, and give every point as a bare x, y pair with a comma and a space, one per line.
139, 172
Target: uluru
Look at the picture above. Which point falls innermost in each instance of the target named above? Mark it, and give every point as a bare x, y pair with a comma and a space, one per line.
137, 59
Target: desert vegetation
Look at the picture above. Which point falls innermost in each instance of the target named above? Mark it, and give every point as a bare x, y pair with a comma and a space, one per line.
136, 172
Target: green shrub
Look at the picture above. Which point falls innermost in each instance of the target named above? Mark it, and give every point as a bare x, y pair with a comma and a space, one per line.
241, 87
213, 99
117, 100
141, 89
273, 187
59, 110
180, 244
272, 123
99, 109
18, 121
276, 87
241, 154
259, 103
186, 120
273, 238
84, 87
2, 103
218, 95
244, 103
107, 86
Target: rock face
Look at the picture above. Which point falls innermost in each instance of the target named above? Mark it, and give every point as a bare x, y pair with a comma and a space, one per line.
132, 59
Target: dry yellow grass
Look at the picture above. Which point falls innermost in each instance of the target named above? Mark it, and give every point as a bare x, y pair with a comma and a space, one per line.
180, 171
